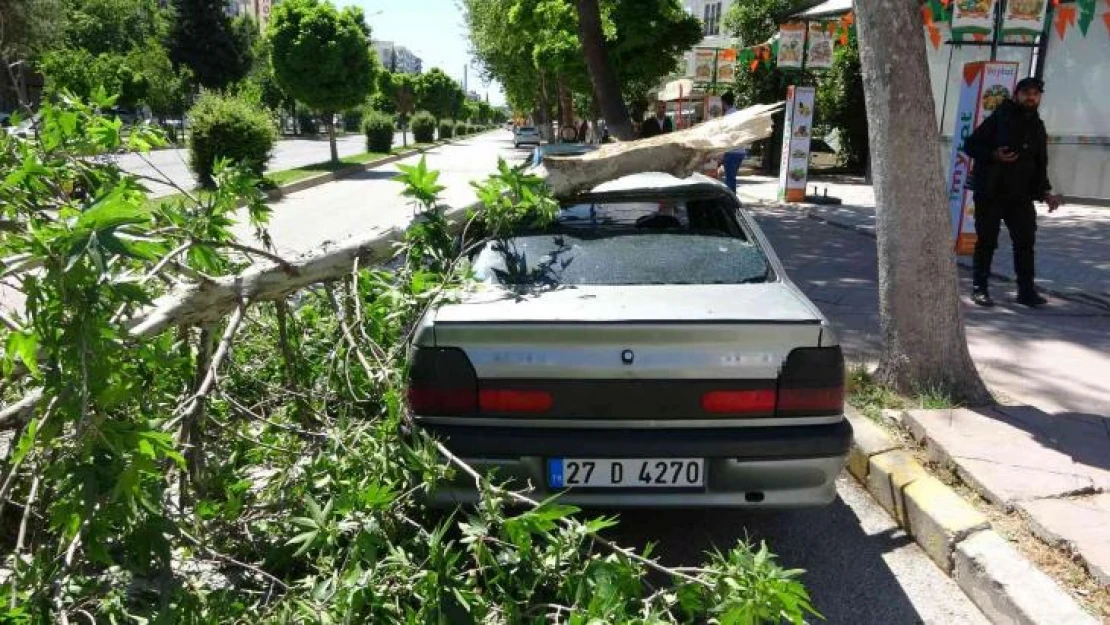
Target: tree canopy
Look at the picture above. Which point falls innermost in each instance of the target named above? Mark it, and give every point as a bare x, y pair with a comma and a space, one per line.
321, 56
439, 94
208, 42
532, 46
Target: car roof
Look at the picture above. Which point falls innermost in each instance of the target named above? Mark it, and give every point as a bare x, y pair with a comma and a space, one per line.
658, 181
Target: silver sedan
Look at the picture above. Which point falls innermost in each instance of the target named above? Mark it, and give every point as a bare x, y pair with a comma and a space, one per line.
646, 349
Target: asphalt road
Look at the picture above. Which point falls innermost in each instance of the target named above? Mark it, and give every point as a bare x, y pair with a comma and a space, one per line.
172, 164
861, 568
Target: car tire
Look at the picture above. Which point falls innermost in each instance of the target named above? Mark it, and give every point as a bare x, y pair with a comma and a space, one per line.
516, 146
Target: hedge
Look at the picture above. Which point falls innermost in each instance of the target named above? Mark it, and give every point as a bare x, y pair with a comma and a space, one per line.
423, 126
229, 127
446, 129
378, 128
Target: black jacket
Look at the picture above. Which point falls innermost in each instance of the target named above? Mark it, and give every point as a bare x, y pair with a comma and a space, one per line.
1023, 180
651, 127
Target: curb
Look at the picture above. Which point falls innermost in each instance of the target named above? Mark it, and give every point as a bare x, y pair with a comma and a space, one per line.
1003, 584
332, 176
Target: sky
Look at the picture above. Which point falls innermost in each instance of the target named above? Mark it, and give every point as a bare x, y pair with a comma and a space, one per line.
434, 30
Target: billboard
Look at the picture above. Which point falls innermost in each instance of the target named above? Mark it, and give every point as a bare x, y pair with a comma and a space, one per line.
985, 85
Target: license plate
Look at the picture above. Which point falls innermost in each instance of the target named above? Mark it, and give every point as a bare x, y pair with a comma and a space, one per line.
626, 472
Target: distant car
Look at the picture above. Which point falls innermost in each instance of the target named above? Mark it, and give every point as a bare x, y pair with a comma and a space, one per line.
24, 129
558, 149
644, 349
526, 135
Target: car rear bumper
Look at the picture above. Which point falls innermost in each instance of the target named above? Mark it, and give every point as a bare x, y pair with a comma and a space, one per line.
759, 467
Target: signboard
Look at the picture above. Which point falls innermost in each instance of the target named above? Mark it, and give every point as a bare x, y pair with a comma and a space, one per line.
973, 16
726, 65
792, 41
797, 129
1024, 17
985, 85
703, 64
819, 54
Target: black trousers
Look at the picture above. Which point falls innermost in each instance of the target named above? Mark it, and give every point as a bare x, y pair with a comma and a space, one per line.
1021, 220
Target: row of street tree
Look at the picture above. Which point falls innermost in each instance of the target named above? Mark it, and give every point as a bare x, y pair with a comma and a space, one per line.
157, 57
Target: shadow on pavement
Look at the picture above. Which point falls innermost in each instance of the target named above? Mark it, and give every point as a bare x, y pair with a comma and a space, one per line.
846, 574
1051, 357
1084, 438
372, 174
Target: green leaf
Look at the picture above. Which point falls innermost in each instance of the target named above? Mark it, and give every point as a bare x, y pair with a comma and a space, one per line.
112, 212
24, 346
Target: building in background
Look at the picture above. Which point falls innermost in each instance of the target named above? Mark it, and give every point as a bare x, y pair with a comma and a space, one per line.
397, 58
711, 13
259, 10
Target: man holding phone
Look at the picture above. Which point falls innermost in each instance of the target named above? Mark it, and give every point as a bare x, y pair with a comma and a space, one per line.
1010, 172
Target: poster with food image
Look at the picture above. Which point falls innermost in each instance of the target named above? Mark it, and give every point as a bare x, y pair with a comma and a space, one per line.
973, 16
795, 143
726, 65
792, 41
703, 64
819, 52
1024, 17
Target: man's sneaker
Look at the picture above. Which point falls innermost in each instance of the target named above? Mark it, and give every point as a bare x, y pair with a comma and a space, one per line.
1031, 299
982, 297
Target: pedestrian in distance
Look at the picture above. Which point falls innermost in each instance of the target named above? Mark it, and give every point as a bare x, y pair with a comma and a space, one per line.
733, 158
658, 124
1010, 172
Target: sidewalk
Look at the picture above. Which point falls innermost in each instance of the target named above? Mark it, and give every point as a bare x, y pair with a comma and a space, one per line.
1073, 258
1052, 464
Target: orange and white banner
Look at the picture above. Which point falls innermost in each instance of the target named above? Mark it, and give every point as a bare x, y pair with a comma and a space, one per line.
819, 53
985, 85
792, 43
1024, 17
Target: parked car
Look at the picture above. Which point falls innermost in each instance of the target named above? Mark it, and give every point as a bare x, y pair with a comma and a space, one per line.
25, 128
526, 135
644, 349
558, 149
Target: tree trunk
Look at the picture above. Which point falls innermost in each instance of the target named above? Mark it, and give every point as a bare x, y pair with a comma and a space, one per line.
331, 138
924, 346
544, 121
566, 103
602, 76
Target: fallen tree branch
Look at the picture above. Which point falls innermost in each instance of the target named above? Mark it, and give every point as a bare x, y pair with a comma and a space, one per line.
677, 153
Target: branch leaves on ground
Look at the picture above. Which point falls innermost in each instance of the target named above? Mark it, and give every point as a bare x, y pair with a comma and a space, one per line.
264, 468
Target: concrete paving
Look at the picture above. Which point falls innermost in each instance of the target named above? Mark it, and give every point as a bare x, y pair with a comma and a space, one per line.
1080, 524
1072, 254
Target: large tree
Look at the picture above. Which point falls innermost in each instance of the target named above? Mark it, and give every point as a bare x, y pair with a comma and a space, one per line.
924, 346
113, 26
28, 28
603, 76
204, 39
322, 57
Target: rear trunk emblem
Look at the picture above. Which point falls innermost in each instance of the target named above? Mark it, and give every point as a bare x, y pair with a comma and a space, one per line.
627, 356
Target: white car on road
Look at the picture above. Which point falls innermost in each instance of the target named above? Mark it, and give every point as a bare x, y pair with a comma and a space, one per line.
526, 135
644, 349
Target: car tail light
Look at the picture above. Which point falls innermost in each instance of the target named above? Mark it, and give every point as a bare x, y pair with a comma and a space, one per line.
442, 382
742, 402
811, 383
513, 400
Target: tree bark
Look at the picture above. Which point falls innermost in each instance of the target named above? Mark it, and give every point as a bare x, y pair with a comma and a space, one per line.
924, 345
602, 76
566, 104
331, 138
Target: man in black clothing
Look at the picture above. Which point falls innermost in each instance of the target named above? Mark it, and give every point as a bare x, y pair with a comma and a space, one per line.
658, 125
1010, 172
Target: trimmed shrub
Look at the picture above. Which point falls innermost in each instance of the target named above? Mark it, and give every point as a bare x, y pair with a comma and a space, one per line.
462, 129
232, 128
446, 129
423, 127
378, 128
